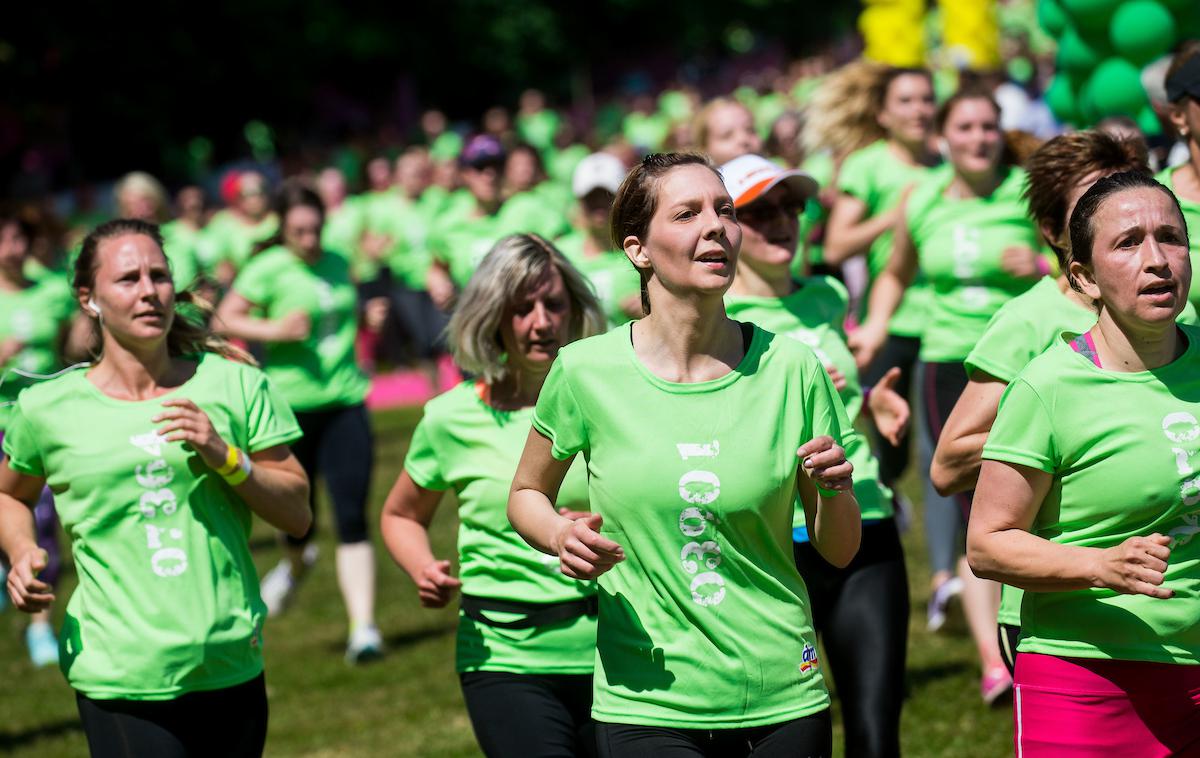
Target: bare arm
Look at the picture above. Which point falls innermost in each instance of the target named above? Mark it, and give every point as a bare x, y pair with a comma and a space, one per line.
582, 552
849, 233
959, 450
1001, 547
835, 523
234, 319
18, 496
277, 487
886, 293
404, 524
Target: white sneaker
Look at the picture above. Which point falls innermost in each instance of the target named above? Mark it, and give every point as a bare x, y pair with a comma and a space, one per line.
278, 586
365, 644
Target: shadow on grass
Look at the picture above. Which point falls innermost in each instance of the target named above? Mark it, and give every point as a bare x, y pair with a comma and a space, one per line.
13, 740
400, 640
918, 676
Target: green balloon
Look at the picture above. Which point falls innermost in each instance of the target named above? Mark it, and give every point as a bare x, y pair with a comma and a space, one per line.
1052, 17
1086, 105
1075, 54
1090, 14
1062, 98
1116, 89
1148, 122
1142, 30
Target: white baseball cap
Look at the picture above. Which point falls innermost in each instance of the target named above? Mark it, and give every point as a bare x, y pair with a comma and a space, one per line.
749, 177
598, 171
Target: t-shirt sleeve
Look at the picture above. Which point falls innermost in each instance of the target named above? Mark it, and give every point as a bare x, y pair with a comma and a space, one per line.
21, 445
422, 462
1023, 433
826, 414
855, 179
253, 283
558, 415
269, 419
997, 352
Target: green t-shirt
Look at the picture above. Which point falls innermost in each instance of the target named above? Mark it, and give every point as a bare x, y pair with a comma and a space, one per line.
466, 445
959, 246
35, 316
182, 246
706, 624
541, 210
319, 371
408, 227
612, 276
463, 236
1191, 216
561, 164
538, 129
231, 239
167, 601
647, 131
814, 315
876, 177
342, 231
1121, 449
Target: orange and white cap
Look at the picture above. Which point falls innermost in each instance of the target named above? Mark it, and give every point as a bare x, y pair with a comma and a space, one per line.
749, 177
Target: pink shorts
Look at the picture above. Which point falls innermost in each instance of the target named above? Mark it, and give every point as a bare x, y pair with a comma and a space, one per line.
1076, 707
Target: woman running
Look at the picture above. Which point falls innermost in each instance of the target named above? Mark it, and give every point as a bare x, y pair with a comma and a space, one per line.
962, 227
1087, 495
298, 299
695, 429
1183, 91
35, 323
860, 611
1028, 324
526, 633
162, 639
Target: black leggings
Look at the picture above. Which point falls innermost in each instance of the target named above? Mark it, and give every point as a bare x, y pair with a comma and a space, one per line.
1008, 637
535, 715
337, 444
861, 614
227, 722
902, 352
808, 737
944, 385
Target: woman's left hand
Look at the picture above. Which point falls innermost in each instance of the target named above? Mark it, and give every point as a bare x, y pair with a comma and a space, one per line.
889, 410
187, 423
825, 462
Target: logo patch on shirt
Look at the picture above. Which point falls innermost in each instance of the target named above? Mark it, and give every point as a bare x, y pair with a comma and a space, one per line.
698, 449
151, 442
808, 659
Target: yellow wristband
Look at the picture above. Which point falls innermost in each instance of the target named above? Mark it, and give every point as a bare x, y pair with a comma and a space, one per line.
231, 462
241, 471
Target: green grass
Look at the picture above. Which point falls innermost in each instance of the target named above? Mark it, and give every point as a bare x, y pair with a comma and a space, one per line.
409, 703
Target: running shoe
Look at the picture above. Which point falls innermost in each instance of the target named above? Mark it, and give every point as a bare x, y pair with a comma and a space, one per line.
939, 601
995, 684
278, 586
365, 644
42, 644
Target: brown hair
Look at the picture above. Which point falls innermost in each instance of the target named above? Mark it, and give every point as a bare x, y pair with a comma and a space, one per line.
189, 333
1188, 49
293, 193
637, 199
1015, 142
1063, 162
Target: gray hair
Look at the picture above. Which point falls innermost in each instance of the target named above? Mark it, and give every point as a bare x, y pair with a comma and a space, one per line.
513, 263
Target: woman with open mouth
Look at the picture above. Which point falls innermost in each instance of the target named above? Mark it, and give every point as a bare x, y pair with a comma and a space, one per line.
1088, 499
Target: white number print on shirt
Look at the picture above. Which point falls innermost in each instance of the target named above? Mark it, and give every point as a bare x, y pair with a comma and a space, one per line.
1182, 429
700, 558
158, 501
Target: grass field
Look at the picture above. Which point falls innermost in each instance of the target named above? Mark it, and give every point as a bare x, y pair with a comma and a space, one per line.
409, 704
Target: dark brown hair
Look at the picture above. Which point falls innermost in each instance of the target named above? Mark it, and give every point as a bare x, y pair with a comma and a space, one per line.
637, 199
1083, 233
189, 333
291, 194
1187, 50
1063, 162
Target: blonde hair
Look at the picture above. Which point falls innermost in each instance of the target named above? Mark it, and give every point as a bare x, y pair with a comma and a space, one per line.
700, 128
141, 183
514, 263
843, 114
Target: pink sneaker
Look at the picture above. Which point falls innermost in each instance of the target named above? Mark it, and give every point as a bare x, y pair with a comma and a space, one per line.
995, 684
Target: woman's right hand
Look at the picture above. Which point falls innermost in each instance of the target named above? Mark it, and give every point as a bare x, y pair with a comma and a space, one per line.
28, 593
865, 342
294, 327
1135, 567
582, 552
436, 586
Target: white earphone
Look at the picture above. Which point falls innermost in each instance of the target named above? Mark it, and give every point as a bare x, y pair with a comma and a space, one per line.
91, 304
